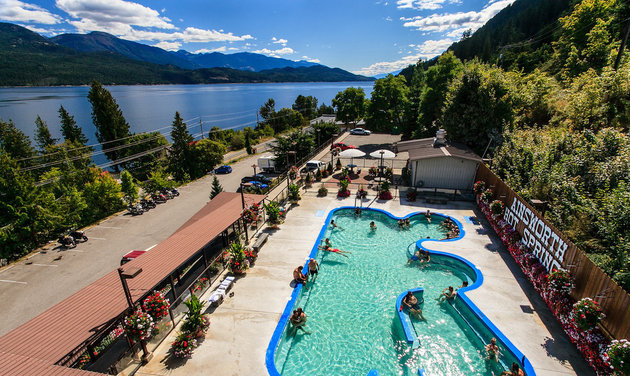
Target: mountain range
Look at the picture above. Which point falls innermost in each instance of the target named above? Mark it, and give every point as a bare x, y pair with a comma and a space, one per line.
29, 59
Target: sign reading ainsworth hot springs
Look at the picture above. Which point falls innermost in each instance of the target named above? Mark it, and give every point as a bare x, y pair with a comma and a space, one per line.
547, 246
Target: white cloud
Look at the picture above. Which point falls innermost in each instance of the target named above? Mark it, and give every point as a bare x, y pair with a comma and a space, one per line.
426, 50
112, 14
460, 20
311, 60
207, 51
281, 41
420, 4
41, 30
169, 46
15, 10
388, 18
457, 33
275, 53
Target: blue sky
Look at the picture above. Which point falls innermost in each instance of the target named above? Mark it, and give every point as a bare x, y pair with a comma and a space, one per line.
364, 37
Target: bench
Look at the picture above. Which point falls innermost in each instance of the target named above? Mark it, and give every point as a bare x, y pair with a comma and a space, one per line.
435, 200
262, 239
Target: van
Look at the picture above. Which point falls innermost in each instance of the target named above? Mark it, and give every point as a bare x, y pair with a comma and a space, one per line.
314, 165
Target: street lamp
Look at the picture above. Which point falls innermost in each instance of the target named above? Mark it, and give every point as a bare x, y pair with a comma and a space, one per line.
125, 274
254, 166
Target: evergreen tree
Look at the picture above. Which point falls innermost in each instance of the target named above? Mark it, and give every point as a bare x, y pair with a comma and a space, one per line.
109, 121
248, 144
69, 128
216, 188
128, 187
180, 156
43, 137
14, 142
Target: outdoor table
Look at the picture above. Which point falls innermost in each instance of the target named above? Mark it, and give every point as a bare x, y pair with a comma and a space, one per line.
351, 167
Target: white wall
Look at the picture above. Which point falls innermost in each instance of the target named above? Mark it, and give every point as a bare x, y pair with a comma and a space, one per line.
444, 172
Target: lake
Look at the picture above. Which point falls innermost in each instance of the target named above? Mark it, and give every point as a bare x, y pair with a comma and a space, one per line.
152, 108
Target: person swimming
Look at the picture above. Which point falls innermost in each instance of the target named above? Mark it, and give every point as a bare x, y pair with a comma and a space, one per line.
372, 226
328, 248
447, 293
411, 302
298, 320
427, 215
492, 350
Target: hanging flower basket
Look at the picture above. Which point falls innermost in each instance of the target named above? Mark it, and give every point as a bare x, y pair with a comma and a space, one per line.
293, 172
139, 326
586, 314
479, 187
373, 171
497, 207
156, 305
251, 213
618, 354
559, 281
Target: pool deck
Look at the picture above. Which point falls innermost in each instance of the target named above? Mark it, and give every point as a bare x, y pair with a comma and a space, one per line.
242, 326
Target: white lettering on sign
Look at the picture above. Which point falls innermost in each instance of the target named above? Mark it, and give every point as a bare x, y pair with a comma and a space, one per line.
546, 245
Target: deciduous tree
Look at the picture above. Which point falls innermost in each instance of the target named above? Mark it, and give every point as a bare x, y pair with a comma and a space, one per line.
349, 104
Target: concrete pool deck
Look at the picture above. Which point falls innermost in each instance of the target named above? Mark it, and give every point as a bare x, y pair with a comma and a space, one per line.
242, 326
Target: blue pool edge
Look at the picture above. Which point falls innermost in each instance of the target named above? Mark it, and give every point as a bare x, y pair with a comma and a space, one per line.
461, 293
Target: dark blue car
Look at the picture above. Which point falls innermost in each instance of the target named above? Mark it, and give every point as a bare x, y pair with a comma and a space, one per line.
223, 170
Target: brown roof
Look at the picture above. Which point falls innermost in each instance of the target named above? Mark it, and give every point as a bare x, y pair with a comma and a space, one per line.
57, 331
423, 148
13, 365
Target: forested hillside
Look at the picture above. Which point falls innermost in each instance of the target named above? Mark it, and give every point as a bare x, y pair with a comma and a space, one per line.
553, 113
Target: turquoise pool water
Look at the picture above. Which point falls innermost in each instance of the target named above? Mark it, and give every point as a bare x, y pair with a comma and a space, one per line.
351, 315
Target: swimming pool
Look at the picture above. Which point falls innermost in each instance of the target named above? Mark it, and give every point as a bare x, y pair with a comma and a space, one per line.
351, 308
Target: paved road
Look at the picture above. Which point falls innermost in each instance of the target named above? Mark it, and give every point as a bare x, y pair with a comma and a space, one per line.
30, 287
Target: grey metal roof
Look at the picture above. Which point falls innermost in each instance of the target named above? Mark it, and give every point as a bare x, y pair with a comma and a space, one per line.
423, 149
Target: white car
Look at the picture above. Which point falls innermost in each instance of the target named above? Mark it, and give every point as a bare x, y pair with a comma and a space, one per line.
360, 131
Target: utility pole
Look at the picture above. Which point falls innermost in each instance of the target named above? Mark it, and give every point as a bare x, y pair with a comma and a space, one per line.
201, 125
623, 44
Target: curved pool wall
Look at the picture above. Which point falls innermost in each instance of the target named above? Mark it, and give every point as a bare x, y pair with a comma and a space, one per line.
465, 305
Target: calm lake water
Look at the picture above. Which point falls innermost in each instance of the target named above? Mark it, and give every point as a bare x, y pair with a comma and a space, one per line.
152, 108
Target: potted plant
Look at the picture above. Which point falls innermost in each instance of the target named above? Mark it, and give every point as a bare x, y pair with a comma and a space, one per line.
479, 187
497, 207
184, 345
308, 180
238, 261
343, 189
344, 174
384, 193
329, 169
195, 323
139, 326
250, 255
318, 175
294, 193
412, 194
389, 173
373, 171
338, 164
156, 305
273, 213
322, 191
361, 193
618, 354
586, 314
251, 213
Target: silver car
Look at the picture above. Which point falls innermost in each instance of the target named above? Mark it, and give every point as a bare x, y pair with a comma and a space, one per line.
360, 131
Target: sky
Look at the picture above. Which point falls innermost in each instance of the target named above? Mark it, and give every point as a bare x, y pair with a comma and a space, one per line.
367, 37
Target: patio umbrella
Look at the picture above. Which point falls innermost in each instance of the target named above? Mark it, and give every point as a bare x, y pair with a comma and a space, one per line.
383, 154
352, 153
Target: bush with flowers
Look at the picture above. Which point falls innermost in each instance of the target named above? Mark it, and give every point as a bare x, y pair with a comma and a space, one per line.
586, 314
487, 195
200, 285
237, 260
560, 281
618, 354
139, 326
592, 344
479, 187
184, 345
250, 255
373, 171
497, 207
156, 305
322, 191
384, 193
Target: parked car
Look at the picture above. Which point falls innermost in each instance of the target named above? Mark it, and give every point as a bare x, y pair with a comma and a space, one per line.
341, 146
258, 177
130, 256
260, 185
360, 131
223, 170
313, 165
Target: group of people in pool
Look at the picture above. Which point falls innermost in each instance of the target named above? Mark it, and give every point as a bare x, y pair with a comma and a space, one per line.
452, 230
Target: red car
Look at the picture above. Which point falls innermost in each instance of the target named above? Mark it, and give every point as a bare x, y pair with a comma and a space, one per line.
341, 146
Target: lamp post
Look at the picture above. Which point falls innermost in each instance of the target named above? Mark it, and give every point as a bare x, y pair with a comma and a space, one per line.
254, 167
125, 274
